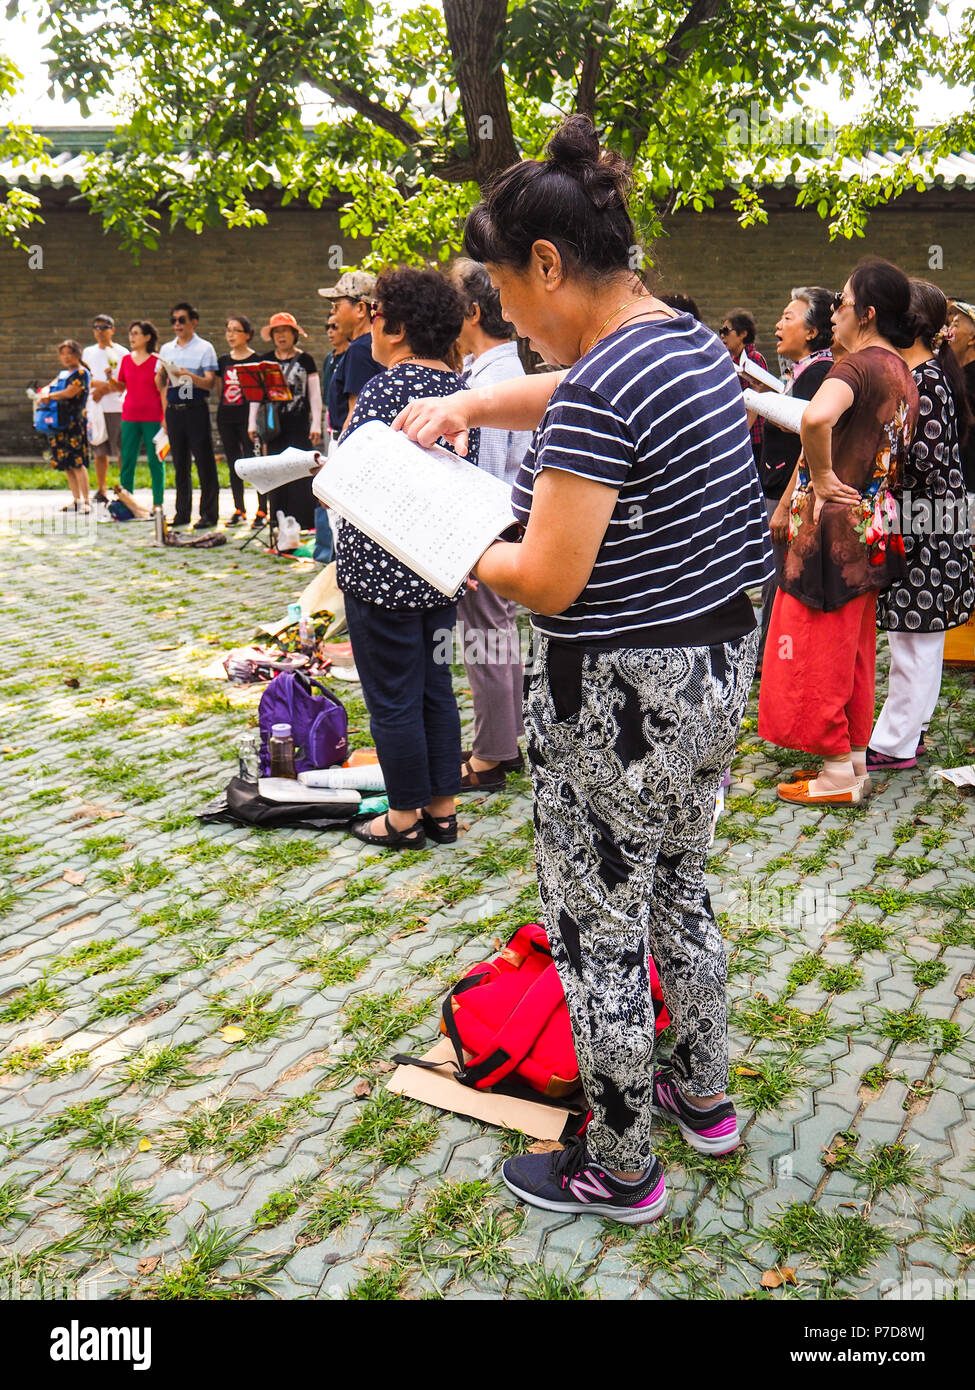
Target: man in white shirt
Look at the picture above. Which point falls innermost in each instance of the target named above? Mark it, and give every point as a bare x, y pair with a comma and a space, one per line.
103, 359
188, 416
490, 640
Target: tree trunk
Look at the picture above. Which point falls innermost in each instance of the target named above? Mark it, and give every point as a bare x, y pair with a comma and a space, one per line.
475, 29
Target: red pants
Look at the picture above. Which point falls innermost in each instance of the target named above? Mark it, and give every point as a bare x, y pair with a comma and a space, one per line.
817, 690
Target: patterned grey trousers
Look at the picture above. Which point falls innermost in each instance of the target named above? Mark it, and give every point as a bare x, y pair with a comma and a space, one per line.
627, 748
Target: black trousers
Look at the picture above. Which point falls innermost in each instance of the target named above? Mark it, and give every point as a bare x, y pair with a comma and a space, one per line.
294, 499
403, 659
236, 444
188, 427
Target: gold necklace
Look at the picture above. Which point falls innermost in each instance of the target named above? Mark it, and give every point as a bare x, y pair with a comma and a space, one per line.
609, 317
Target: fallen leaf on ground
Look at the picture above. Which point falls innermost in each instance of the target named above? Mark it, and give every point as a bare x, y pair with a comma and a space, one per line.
145, 1145
231, 1033
75, 876
771, 1279
169, 647
746, 1071
73, 682
544, 1146
788, 1274
7, 748
147, 1265
385, 1067
362, 1088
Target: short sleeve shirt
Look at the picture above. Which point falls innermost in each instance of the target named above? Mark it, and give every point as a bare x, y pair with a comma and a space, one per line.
103, 363
199, 356
655, 411
365, 568
354, 368
846, 553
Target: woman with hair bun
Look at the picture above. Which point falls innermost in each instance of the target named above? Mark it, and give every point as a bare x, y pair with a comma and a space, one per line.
938, 590
643, 527
817, 689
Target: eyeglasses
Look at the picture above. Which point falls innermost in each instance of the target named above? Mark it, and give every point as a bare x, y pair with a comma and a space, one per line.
375, 310
178, 318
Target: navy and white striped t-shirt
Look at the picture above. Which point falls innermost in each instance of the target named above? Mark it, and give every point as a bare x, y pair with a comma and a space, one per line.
656, 411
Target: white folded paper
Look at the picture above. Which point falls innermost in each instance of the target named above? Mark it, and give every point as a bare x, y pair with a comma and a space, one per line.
287, 789
435, 512
746, 367
268, 471
784, 411
367, 777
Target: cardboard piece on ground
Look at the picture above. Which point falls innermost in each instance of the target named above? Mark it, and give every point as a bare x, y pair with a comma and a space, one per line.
957, 776
439, 1088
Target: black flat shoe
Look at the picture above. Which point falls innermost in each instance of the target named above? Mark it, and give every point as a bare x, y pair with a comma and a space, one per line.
236, 519
506, 764
491, 780
411, 838
441, 829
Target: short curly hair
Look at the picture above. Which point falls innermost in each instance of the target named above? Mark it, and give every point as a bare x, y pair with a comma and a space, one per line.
424, 306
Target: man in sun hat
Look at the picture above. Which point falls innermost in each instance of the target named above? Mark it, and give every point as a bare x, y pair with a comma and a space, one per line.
961, 323
350, 298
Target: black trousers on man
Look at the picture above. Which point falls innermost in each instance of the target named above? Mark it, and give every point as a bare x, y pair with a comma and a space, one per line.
188, 427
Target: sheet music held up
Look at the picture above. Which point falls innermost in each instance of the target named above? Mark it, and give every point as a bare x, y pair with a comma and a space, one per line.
784, 411
268, 471
435, 512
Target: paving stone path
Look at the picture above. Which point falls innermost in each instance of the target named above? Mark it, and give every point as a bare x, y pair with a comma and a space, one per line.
144, 1156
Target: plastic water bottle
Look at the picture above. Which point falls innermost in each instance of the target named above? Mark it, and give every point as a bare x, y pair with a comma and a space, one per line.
281, 750
306, 636
248, 764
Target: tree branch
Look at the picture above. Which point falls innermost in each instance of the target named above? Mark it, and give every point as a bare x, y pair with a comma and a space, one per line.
475, 29
585, 102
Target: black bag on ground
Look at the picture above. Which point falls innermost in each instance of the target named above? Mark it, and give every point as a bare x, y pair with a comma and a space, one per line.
242, 802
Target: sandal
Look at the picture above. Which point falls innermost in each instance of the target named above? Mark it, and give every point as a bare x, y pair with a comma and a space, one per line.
411, 838
490, 780
441, 829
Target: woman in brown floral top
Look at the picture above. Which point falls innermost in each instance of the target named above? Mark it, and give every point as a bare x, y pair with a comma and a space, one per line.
817, 690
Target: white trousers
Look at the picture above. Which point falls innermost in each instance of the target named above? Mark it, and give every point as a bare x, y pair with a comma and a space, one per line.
912, 692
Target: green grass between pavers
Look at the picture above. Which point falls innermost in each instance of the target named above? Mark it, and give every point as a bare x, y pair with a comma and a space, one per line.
156, 1066
841, 1246
685, 1259
119, 1216
37, 998
252, 1013
390, 1131
201, 1276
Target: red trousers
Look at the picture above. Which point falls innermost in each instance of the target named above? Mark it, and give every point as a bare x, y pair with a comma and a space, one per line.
817, 690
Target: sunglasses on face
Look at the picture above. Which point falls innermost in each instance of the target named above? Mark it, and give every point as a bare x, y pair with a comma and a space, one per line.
178, 318
375, 310
723, 332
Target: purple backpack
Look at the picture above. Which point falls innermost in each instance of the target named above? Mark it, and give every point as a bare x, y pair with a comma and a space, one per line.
319, 724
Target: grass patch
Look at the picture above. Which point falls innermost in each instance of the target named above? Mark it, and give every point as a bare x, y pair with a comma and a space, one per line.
173, 919
128, 996
251, 1013
550, 1286
198, 1277
958, 1238
120, 1216
278, 854
766, 1083
679, 1252
335, 1208
389, 1131
865, 936
334, 967
11, 1209
157, 1066
887, 1166
928, 973
105, 846
96, 957
889, 900
759, 1017
40, 997
207, 1129
841, 1246
140, 877
384, 1283
458, 1227
24, 1059
728, 1175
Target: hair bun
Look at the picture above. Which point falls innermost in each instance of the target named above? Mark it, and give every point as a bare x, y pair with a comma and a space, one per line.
575, 150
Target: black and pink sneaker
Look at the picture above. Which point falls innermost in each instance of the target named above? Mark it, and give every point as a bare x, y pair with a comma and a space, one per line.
877, 762
713, 1131
572, 1182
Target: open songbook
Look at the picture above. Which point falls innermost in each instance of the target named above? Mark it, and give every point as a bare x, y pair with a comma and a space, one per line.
268, 471
435, 512
746, 367
784, 411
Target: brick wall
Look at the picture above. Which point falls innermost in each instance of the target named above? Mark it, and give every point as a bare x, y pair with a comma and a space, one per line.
259, 270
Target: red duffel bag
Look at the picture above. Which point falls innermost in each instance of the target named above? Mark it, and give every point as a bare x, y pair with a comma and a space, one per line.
508, 1019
